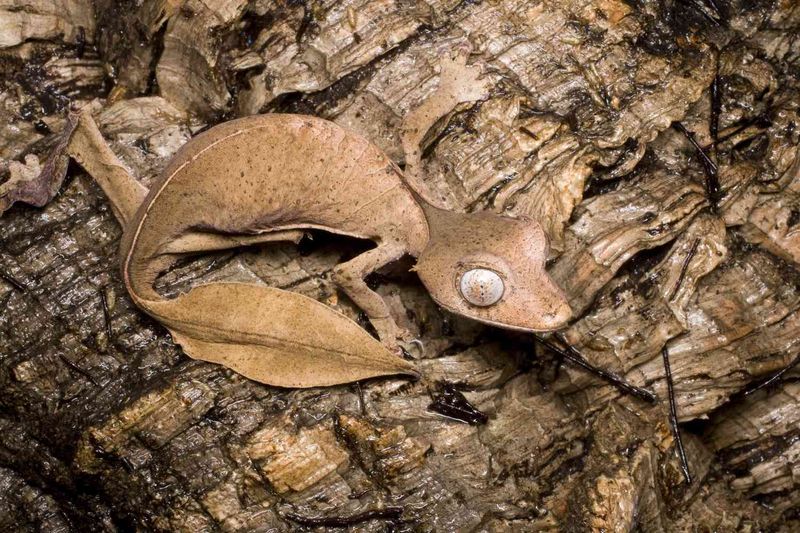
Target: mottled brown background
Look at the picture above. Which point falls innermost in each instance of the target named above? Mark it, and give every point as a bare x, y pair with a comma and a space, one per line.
106, 426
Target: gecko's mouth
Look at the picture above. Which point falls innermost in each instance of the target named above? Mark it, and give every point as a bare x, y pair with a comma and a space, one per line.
549, 321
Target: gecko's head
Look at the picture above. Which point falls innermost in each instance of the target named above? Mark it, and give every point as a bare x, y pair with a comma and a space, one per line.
491, 268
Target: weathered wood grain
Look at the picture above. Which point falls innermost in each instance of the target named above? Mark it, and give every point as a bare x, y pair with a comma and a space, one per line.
105, 426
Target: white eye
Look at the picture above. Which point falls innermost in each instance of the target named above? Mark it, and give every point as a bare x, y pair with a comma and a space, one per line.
481, 287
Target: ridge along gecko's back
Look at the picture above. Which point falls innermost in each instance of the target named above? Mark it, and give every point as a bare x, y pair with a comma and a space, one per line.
268, 173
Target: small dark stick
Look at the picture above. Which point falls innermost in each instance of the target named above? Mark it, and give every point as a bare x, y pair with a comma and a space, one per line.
774, 377
714, 17
362, 407
389, 513
14, 282
712, 4
684, 268
712, 184
78, 369
573, 356
80, 42
106, 316
708, 164
716, 106
760, 121
713, 187
673, 417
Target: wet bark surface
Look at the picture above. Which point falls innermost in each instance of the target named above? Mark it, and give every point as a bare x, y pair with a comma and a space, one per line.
656, 141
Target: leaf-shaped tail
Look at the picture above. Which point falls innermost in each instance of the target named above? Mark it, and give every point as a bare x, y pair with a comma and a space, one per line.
274, 336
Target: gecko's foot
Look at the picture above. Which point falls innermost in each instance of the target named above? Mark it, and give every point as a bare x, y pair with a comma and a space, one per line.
397, 340
413, 348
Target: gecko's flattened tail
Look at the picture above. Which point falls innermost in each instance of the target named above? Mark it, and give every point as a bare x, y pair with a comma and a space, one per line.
274, 336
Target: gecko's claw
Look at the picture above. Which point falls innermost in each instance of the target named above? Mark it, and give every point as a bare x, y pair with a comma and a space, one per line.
406, 348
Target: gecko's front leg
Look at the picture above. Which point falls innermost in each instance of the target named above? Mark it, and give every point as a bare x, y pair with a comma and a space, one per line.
350, 276
458, 83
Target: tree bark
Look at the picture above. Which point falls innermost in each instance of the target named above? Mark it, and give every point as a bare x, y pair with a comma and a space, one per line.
655, 140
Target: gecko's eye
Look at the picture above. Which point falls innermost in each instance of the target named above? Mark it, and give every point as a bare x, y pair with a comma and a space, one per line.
481, 287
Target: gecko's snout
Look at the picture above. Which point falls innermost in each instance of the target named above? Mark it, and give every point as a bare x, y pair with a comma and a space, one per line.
559, 316
546, 306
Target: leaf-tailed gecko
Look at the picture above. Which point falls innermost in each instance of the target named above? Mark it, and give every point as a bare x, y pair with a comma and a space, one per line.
271, 178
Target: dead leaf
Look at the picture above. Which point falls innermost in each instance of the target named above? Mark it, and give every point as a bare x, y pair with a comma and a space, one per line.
275, 337
37, 184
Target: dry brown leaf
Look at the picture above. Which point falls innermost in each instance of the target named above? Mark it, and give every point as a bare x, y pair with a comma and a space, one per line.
37, 184
276, 337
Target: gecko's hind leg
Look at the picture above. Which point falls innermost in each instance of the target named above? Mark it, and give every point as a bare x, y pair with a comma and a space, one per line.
350, 276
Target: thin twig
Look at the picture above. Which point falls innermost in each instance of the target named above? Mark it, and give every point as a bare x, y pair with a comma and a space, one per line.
11, 280
715, 8
710, 169
684, 268
573, 356
713, 18
759, 121
774, 377
106, 316
78, 369
716, 107
711, 166
673, 417
362, 407
389, 513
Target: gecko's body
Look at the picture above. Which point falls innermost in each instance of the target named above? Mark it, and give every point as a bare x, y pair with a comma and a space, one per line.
267, 178
274, 177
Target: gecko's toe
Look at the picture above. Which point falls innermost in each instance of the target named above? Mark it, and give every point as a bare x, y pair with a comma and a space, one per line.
412, 348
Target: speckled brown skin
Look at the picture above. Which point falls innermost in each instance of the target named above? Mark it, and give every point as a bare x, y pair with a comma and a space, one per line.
268, 178
273, 177
516, 249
